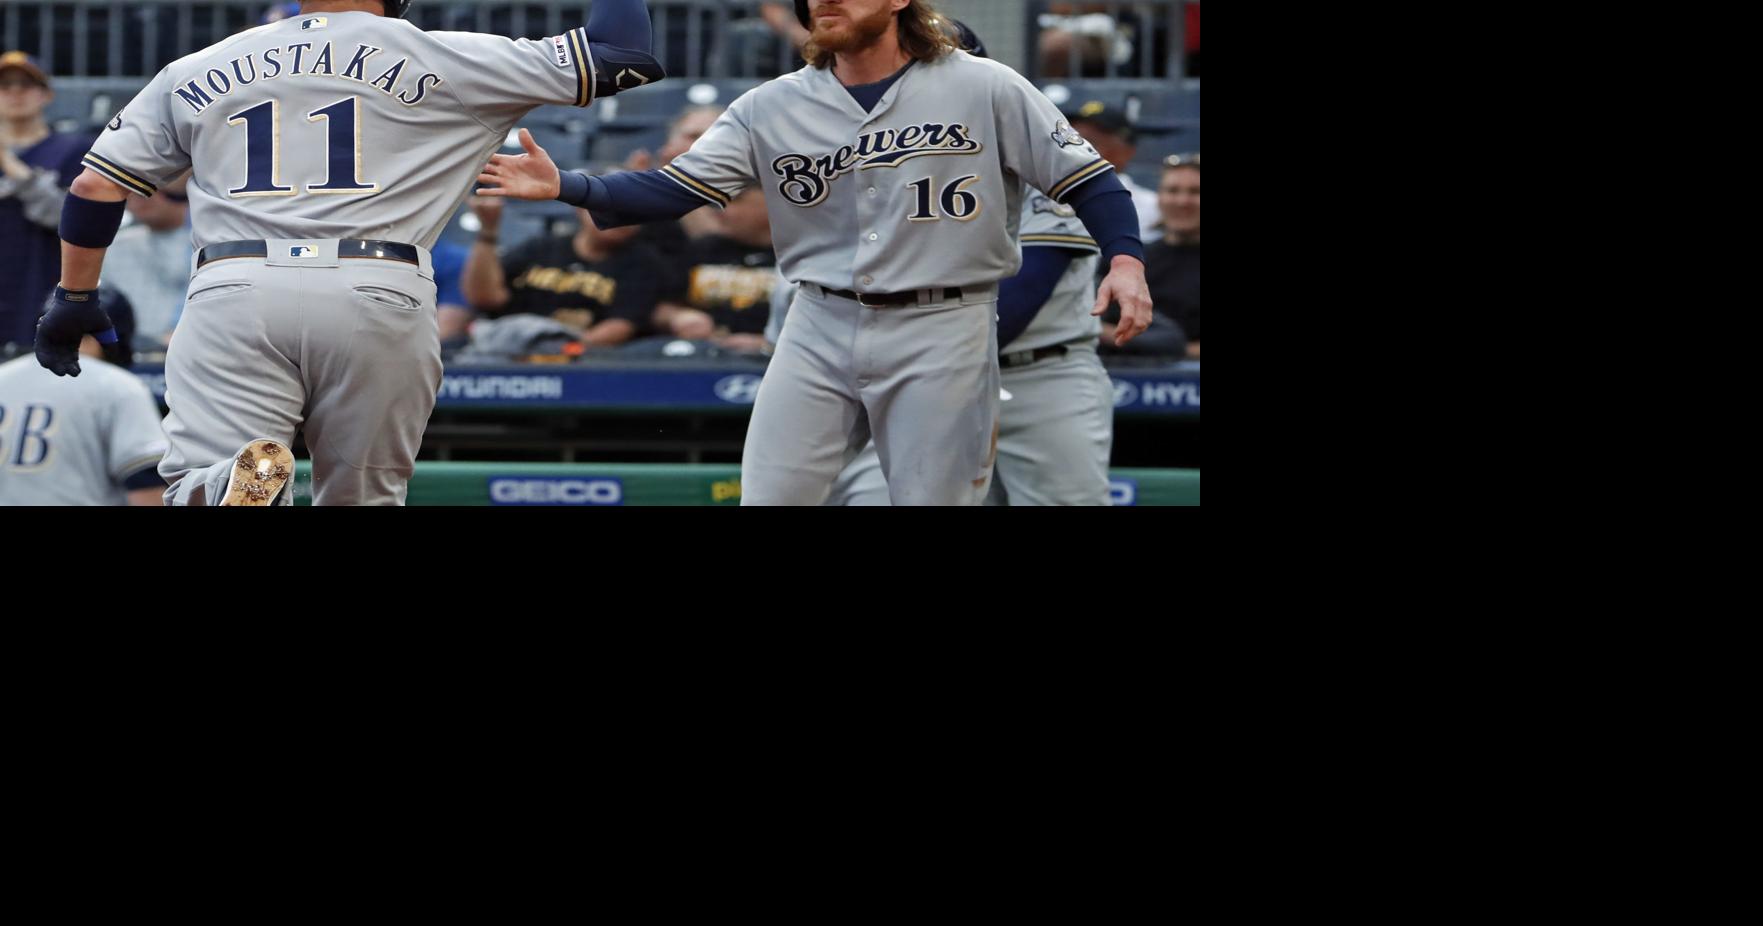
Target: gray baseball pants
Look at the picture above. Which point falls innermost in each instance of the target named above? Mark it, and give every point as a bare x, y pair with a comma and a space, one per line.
346, 349
922, 379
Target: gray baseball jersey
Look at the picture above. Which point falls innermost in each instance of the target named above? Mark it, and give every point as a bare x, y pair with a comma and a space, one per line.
1065, 317
346, 125
921, 191
301, 133
68, 441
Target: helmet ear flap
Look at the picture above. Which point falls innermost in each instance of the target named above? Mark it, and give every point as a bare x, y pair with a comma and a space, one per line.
802, 12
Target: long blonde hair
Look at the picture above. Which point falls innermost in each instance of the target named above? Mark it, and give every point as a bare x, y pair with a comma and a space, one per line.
922, 36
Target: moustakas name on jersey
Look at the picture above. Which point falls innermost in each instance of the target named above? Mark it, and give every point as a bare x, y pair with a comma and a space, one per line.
347, 125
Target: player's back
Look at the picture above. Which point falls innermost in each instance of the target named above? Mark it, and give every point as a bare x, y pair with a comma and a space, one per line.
343, 125
70, 441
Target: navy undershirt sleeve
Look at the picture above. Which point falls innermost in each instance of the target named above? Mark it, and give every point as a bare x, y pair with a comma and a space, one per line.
628, 197
1021, 297
147, 478
1110, 219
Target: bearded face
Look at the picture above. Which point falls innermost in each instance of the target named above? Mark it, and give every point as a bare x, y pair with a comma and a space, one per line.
849, 25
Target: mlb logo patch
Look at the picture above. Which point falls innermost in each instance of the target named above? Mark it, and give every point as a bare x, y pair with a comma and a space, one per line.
560, 46
316, 22
301, 251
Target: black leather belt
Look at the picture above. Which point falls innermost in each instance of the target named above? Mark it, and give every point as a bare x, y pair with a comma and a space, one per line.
1023, 358
347, 247
879, 299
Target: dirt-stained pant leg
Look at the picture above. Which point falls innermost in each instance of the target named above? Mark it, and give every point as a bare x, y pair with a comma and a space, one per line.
929, 378
807, 419
372, 371
1058, 430
231, 376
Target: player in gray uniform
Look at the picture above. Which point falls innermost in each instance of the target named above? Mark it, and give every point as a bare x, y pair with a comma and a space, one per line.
328, 150
892, 169
1057, 407
91, 441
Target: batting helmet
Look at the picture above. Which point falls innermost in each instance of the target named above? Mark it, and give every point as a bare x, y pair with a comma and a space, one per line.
802, 13
396, 8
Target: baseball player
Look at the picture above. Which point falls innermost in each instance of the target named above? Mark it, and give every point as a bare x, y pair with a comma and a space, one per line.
94, 441
328, 151
892, 168
1056, 414
1056, 417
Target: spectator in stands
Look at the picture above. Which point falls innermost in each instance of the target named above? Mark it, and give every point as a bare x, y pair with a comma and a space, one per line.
1172, 268
724, 293
781, 17
150, 262
671, 237
1107, 128
593, 281
36, 168
452, 312
1080, 39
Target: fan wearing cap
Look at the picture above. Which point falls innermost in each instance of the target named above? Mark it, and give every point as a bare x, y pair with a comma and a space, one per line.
1108, 129
36, 167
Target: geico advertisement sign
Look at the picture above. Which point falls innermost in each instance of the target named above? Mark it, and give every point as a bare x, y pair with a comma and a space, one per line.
554, 490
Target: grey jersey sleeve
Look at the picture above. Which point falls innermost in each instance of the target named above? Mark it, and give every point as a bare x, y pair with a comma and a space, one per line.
507, 77
720, 164
135, 440
1037, 144
1047, 224
142, 148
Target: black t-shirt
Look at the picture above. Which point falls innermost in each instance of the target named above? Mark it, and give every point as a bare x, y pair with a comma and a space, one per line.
1173, 273
547, 277
663, 237
728, 280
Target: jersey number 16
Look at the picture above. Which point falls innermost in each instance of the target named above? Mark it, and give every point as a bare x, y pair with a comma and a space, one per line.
263, 150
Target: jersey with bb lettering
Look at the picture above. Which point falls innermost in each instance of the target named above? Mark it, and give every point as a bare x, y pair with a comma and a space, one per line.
345, 125
923, 190
1065, 317
68, 440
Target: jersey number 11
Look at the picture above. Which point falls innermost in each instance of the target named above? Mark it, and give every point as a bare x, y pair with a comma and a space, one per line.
263, 150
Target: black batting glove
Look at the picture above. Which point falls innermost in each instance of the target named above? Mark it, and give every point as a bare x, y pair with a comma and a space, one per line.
70, 315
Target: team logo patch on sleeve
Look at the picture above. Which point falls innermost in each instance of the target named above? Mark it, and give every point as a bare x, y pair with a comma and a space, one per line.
116, 123
1067, 136
1043, 204
560, 47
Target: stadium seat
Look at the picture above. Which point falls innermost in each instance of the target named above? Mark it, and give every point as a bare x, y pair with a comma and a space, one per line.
1164, 108
645, 106
86, 104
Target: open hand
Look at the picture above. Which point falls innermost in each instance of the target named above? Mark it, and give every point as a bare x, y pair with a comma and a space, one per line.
523, 176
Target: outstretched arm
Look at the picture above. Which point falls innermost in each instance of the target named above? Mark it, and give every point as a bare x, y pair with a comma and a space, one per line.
624, 198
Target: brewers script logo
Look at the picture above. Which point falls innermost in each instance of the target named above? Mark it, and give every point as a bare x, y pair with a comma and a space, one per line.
805, 180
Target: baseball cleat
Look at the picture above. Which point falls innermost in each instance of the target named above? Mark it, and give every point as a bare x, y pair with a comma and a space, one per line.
260, 470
